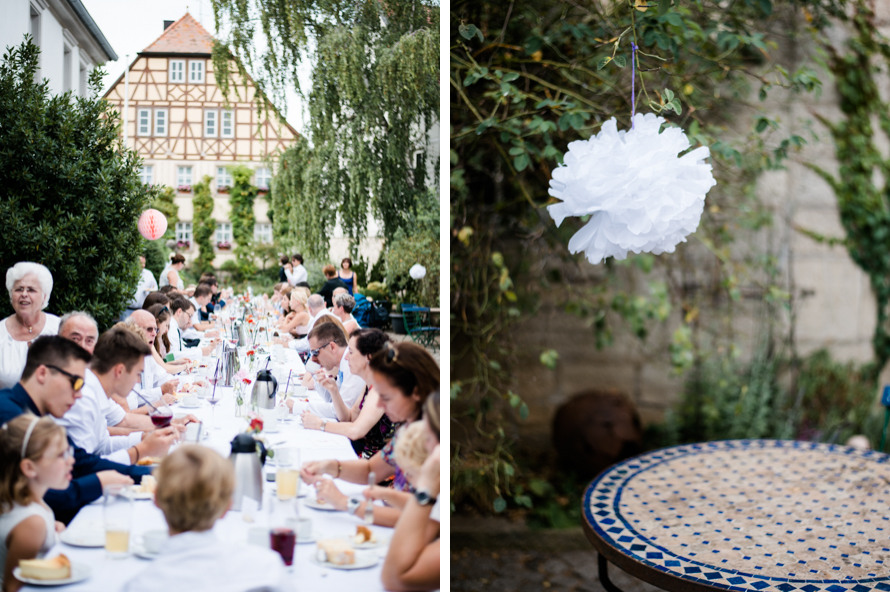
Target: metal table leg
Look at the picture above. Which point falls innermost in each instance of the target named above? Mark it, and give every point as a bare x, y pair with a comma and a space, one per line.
604, 574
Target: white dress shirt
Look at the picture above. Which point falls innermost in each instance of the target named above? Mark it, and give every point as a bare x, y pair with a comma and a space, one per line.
198, 561
177, 347
146, 286
153, 377
302, 344
88, 420
351, 387
191, 332
299, 274
13, 354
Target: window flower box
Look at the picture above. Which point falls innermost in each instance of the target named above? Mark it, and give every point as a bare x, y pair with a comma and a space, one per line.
224, 246
262, 190
184, 245
223, 189
184, 189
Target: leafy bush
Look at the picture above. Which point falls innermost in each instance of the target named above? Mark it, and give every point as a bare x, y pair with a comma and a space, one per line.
71, 192
420, 245
166, 204
241, 197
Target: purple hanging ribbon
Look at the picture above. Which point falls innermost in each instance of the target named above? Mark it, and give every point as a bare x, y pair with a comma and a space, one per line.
633, 79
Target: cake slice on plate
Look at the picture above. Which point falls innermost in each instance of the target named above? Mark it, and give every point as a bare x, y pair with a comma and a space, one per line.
57, 568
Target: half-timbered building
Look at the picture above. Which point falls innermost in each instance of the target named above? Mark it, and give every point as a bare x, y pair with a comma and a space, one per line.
178, 120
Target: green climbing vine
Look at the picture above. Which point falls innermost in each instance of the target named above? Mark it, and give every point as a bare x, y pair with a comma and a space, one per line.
165, 204
203, 225
241, 197
863, 204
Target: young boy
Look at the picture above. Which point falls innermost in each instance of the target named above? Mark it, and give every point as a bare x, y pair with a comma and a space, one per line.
194, 490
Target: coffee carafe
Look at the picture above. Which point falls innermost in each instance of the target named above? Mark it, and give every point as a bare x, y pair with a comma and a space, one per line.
264, 388
248, 469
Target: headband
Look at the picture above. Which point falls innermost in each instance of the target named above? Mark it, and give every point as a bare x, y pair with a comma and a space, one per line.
28, 436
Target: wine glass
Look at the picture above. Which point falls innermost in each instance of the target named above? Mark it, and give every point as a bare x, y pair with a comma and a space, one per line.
161, 417
213, 400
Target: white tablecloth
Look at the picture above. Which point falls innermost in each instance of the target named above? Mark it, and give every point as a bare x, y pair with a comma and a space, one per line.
109, 575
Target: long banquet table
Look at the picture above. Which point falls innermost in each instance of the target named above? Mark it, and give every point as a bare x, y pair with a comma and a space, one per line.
109, 575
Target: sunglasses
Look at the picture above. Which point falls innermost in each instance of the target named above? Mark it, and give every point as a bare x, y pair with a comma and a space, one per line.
313, 353
76, 381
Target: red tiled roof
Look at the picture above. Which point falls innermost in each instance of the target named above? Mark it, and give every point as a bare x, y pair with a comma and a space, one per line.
184, 36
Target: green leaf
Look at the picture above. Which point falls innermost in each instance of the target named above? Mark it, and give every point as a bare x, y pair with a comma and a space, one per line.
602, 62
500, 504
766, 6
674, 19
508, 470
762, 124
510, 76
521, 162
620, 61
523, 411
663, 7
517, 150
668, 95
470, 31
549, 358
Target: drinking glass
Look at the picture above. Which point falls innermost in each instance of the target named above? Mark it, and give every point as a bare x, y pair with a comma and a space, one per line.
213, 400
287, 476
284, 540
161, 417
118, 517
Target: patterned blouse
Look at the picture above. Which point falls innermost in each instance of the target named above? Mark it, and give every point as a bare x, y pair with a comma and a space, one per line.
377, 436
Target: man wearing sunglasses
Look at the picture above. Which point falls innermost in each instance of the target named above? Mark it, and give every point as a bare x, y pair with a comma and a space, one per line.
50, 385
328, 347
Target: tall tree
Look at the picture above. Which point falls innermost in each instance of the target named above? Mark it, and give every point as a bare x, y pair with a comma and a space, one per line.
374, 97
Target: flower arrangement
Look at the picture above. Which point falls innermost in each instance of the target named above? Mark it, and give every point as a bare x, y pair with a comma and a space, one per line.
184, 188
224, 245
256, 424
183, 244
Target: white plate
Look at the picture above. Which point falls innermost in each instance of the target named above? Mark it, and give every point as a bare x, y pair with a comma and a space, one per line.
139, 551
361, 562
79, 572
368, 545
83, 538
139, 495
317, 506
307, 540
184, 406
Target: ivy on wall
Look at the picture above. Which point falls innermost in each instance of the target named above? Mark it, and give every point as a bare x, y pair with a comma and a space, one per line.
203, 224
241, 197
165, 204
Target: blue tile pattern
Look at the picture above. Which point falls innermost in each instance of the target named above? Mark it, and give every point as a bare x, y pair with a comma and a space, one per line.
751, 515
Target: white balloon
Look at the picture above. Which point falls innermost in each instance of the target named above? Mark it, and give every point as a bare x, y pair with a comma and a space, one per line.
640, 195
417, 271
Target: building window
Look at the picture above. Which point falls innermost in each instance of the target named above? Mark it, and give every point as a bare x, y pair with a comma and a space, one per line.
184, 232
227, 125
196, 71
35, 35
143, 122
223, 233
145, 174
184, 176
210, 123
67, 66
223, 177
160, 122
83, 80
263, 178
177, 70
262, 233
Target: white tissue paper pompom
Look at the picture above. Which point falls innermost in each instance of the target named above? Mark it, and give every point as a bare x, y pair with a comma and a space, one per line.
641, 196
417, 271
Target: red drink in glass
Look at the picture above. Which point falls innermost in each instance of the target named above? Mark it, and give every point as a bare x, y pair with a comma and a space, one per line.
161, 419
283, 540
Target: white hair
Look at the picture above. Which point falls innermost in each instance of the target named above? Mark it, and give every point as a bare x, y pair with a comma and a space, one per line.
23, 268
316, 302
77, 313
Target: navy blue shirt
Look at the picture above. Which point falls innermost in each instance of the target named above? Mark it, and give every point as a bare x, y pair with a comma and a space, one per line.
85, 486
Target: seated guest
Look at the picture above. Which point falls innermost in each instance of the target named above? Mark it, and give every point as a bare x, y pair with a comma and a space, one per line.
297, 320
195, 486
295, 272
117, 362
410, 452
316, 311
168, 291
146, 286
181, 320
50, 385
344, 304
29, 286
34, 457
334, 381
332, 282
216, 302
338, 292
81, 328
157, 382
200, 299
412, 562
404, 375
365, 423
155, 298
161, 314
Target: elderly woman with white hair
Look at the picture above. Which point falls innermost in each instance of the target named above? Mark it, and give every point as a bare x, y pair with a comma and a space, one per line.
29, 285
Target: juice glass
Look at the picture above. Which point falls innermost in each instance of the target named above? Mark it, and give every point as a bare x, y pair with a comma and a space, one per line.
118, 517
287, 477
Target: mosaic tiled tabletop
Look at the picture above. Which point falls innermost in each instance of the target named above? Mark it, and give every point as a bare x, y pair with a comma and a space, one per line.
747, 515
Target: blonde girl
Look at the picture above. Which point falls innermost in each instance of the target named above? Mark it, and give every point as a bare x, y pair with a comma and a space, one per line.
34, 456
